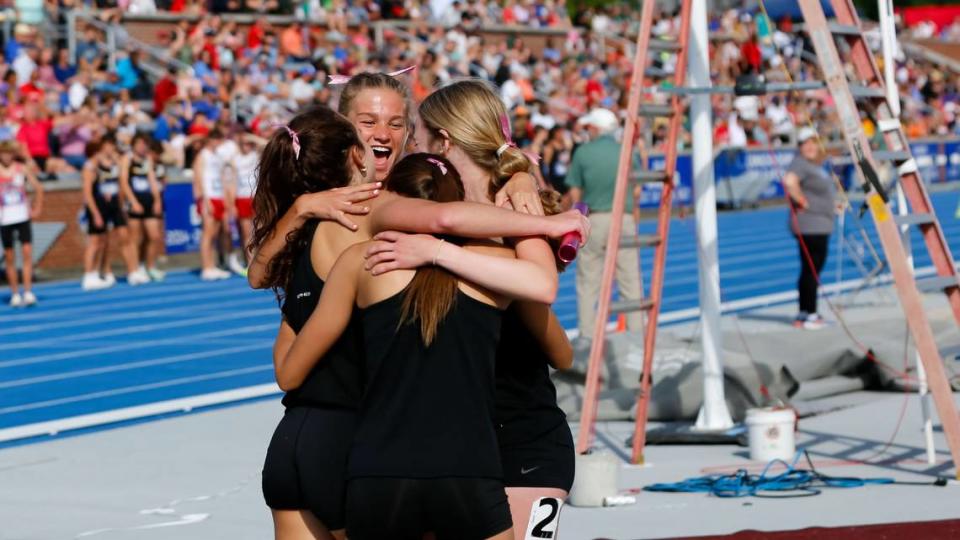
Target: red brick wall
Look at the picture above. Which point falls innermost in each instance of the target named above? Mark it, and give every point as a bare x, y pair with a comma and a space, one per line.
67, 250
66, 253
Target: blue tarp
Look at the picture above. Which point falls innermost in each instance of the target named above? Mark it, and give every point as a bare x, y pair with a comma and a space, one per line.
777, 9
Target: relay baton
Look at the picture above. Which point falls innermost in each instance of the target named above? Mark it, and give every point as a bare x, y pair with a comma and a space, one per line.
570, 242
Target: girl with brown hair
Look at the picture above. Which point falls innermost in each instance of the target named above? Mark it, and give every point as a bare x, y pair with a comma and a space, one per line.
424, 458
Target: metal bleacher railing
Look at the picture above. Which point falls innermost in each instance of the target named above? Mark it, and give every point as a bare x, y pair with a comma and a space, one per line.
155, 61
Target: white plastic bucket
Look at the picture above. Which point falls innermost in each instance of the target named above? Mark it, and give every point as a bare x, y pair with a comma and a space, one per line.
771, 434
595, 479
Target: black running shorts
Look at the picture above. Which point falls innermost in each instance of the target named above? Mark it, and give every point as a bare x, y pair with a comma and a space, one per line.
23, 232
546, 462
306, 463
146, 201
111, 213
406, 508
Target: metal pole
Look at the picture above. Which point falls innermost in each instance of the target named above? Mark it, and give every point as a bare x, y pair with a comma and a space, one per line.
843, 232
72, 35
888, 40
378, 34
923, 390
112, 48
888, 45
714, 414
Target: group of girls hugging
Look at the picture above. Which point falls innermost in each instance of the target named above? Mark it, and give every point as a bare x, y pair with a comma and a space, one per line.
417, 337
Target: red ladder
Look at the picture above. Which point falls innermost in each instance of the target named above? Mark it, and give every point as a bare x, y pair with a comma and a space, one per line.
870, 89
675, 112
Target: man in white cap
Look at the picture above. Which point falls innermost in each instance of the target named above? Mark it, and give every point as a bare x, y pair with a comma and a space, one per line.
592, 178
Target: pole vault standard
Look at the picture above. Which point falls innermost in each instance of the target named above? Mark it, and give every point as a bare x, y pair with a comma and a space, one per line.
714, 414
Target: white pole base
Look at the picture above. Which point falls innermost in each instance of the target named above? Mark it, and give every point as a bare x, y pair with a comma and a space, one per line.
716, 417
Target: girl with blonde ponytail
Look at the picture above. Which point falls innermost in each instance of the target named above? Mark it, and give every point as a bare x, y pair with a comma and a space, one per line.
466, 122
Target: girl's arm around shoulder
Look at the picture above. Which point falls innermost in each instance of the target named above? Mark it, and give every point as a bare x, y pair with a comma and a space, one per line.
496, 268
326, 324
491, 266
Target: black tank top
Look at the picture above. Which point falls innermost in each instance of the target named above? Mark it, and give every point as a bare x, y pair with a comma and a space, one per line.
139, 179
427, 411
160, 173
526, 406
106, 183
336, 381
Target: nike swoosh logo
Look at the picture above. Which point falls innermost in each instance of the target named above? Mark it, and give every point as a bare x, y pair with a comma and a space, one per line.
527, 471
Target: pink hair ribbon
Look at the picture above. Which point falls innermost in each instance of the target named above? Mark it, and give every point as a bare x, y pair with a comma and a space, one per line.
294, 139
439, 164
344, 79
507, 135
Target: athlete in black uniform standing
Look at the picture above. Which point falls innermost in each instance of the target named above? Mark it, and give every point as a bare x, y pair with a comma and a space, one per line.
141, 188
425, 455
102, 200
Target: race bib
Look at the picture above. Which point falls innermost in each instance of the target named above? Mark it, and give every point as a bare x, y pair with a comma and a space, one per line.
109, 189
140, 184
12, 196
544, 519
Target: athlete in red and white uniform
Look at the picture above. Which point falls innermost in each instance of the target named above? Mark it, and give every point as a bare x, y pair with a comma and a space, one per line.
245, 162
15, 215
208, 191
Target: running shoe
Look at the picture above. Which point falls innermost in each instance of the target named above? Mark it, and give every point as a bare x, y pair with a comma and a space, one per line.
93, 282
214, 274
16, 300
156, 275
110, 279
236, 266
800, 319
29, 299
138, 277
814, 322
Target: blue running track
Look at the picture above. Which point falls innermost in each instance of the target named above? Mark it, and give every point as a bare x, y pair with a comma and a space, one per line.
84, 353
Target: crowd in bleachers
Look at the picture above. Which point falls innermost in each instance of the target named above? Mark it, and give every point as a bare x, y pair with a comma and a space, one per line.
214, 74
221, 72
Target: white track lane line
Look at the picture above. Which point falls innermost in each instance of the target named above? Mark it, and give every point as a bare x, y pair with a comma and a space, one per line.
123, 292
164, 360
39, 359
139, 314
132, 389
53, 427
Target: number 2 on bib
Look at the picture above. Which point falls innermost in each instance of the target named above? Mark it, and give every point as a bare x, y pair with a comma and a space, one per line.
544, 519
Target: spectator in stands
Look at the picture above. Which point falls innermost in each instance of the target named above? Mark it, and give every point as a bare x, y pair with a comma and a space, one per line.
293, 43
591, 179
63, 69
557, 152
73, 136
164, 90
34, 133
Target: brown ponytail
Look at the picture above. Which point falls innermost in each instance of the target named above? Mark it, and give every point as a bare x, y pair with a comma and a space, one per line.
326, 139
433, 291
